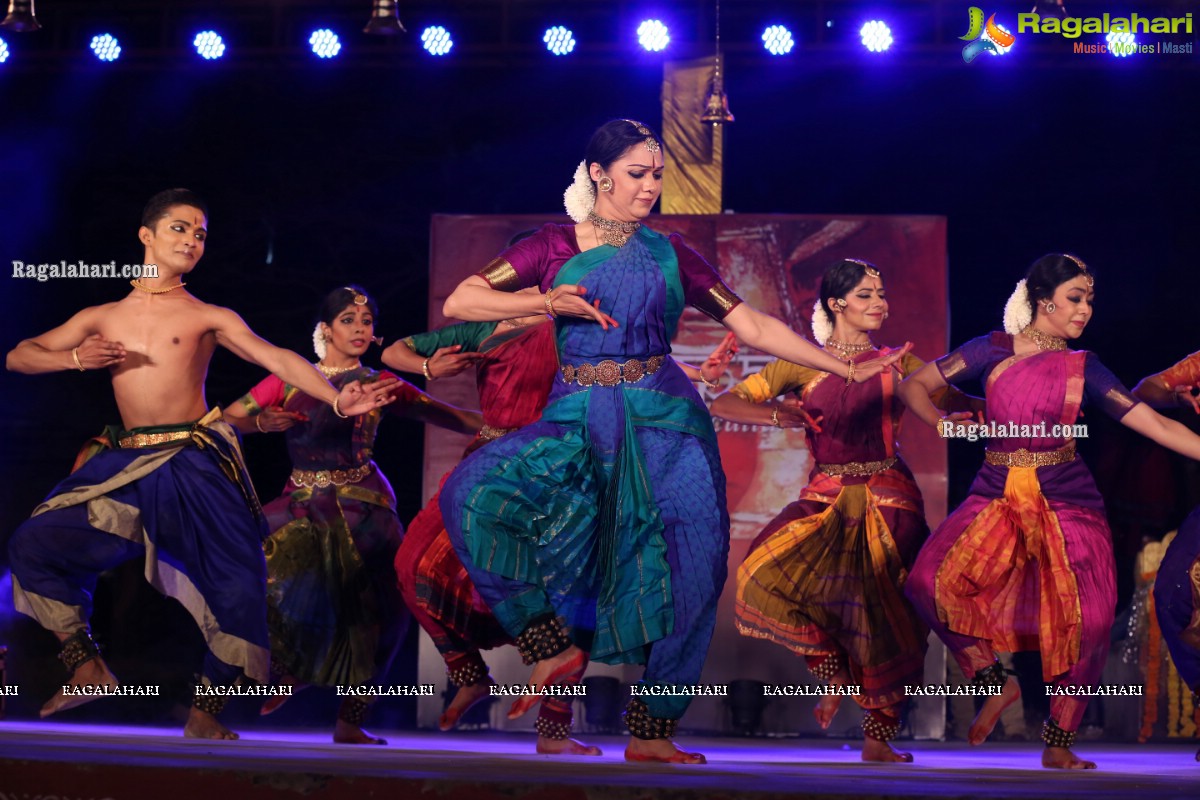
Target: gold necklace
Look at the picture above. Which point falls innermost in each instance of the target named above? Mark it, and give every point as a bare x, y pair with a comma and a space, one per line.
610, 231
845, 350
137, 284
1043, 340
329, 372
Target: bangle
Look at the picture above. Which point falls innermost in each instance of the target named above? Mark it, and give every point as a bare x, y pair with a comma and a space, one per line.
78, 363
337, 411
714, 385
258, 422
425, 370
775, 417
849, 372
548, 299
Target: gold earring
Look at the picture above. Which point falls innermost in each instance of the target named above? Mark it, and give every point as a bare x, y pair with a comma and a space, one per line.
605, 184
1050, 307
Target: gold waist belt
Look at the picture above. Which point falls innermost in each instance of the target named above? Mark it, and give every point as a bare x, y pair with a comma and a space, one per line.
858, 469
1028, 458
610, 373
490, 433
135, 440
329, 477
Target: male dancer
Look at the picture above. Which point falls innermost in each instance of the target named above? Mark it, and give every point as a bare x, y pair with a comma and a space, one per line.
171, 484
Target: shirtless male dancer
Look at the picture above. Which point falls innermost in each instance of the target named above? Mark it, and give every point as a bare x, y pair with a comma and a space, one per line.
171, 484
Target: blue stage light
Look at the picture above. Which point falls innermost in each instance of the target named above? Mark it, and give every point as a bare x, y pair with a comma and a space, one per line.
876, 36
3, 51
324, 43
653, 35
436, 40
1121, 43
559, 40
106, 47
778, 40
209, 45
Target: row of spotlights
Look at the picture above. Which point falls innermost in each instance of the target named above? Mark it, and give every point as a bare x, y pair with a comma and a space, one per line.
653, 35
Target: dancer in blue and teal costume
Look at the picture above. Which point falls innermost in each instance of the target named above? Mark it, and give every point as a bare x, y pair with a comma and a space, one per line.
602, 530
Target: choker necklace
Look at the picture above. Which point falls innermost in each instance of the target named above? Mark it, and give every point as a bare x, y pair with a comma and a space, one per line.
329, 372
1044, 341
609, 231
846, 350
137, 284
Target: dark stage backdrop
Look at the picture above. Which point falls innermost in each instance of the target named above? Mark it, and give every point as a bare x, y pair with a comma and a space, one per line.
320, 174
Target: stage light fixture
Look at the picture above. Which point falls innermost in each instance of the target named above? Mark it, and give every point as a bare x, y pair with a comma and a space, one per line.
3, 51
1121, 43
209, 45
778, 41
106, 47
324, 43
876, 36
21, 18
559, 40
653, 35
436, 40
385, 19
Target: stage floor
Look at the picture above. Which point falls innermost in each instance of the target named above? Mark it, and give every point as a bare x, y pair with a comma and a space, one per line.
93, 762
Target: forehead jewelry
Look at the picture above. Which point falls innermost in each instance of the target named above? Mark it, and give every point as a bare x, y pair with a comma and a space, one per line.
1087, 276
651, 142
360, 299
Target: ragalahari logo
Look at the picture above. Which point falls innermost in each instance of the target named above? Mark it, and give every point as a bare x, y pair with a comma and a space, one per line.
984, 38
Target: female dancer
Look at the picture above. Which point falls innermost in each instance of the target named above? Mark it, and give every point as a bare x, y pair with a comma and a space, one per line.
1177, 585
334, 615
1025, 563
825, 577
602, 528
515, 362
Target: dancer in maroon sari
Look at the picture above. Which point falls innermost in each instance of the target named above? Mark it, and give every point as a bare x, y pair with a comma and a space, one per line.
825, 578
1025, 563
333, 612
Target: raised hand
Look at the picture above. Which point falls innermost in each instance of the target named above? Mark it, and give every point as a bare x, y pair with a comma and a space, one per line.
1185, 397
96, 352
568, 301
357, 398
718, 360
450, 361
888, 359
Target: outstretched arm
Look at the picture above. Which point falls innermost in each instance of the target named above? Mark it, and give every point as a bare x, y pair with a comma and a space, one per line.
233, 334
1167, 432
432, 411
915, 391
771, 336
445, 362
76, 344
475, 300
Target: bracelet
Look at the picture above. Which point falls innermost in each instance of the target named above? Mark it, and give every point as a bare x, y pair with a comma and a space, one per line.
78, 363
258, 423
337, 411
714, 385
548, 299
425, 370
775, 417
849, 372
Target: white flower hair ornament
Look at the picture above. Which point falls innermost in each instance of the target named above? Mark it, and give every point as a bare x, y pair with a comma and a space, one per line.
1018, 311
822, 325
319, 342
580, 196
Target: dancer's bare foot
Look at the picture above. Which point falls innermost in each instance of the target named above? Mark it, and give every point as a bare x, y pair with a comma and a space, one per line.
276, 701
660, 750
90, 673
993, 707
826, 710
566, 747
464, 699
565, 668
1063, 758
875, 750
202, 725
348, 733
